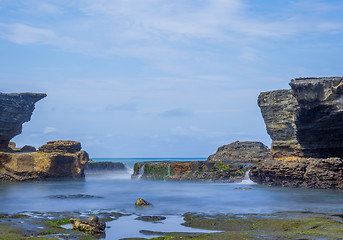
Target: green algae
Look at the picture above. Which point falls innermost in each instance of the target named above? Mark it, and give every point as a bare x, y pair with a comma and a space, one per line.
257, 226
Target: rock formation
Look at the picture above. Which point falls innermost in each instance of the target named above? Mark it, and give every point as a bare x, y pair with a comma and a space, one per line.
244, 152
15, 109
45, 164
56, 159
90, 225
191, 171
306, 126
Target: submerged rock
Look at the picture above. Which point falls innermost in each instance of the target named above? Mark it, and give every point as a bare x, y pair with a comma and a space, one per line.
91, 225
141, 203
151, 218
15, 109
244, 152
74, 196
104, 166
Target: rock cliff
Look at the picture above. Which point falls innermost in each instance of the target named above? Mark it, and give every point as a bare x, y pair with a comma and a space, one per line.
244, 152
306, 127
15, 109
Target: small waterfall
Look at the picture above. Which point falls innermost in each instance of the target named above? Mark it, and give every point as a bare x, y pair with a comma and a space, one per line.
168, 170
141, 171
246, 179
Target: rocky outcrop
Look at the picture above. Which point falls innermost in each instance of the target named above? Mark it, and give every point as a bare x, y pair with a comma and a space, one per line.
244, 152
43, 165
15, 109
278, 109
60, 147
94, 167
306, 121
26, 148
90, 225
308, 173
306, 126
191, 171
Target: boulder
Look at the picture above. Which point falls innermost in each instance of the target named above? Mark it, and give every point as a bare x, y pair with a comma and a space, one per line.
244, 152
15, 109
142, 203
90, 225
60, 146
42, 165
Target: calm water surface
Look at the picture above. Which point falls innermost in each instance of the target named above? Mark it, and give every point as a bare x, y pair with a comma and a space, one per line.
118, 192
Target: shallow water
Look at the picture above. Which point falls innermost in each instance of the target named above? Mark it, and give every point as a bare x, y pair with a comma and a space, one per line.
118, 192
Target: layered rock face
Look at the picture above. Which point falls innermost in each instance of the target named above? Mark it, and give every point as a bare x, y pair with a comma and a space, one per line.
191, 171
45, 164
244, 152
306, 121
306, 126
15, 109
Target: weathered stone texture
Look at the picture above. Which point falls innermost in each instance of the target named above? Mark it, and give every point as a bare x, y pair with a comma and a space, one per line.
244, 152
15, 109
308, 173
42, 165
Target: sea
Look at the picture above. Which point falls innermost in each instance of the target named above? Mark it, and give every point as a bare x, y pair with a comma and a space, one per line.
116, 191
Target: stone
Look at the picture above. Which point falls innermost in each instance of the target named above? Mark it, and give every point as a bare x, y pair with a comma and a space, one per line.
90, 225
42, 165
151, 218
28, 148
142, 203
15, 109
244, 152
104, 166
60, 146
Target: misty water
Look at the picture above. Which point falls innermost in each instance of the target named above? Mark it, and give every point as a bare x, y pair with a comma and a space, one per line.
117, 192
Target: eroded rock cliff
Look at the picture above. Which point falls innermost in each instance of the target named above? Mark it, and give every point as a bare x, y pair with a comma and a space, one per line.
306, 126
15, 109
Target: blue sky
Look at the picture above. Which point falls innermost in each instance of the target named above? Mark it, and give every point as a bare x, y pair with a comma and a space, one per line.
160, 78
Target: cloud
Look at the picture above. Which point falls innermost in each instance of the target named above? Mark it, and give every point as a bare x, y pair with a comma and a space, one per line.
176, 112
48, 130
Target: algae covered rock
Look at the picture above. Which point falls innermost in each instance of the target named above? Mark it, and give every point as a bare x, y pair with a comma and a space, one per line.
191, 171
244, 152
90, 225
142, 203
60, 146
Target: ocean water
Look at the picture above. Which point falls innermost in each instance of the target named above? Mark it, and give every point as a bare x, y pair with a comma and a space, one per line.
119, 193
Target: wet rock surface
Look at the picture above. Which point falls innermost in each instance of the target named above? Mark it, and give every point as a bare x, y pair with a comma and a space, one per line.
91, 225
15, 109
151, 218
244, 152
74, 196
191, 171
308, 173
142, 203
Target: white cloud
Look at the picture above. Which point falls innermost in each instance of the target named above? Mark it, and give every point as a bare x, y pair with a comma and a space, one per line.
48, 130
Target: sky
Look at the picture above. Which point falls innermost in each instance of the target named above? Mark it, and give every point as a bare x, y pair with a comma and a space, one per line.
160, 78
